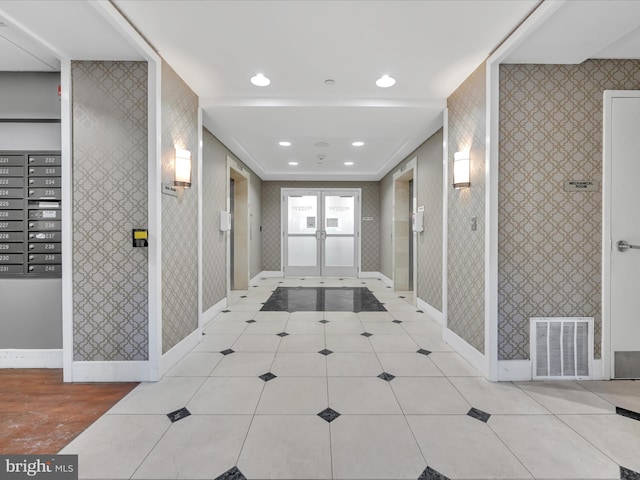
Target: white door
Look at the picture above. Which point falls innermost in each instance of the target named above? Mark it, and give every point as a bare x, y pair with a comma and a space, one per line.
320, 232
622, 173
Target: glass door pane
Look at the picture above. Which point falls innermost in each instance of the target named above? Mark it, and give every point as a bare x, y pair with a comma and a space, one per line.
339, 245
301, 242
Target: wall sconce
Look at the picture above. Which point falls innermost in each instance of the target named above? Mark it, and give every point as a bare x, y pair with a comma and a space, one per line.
182, 169
461, 174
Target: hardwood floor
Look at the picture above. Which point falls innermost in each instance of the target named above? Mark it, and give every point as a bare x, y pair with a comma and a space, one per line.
39, 414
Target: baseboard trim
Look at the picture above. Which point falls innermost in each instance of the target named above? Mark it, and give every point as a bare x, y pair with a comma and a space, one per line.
470, 354
212, 312
432, 312
267, 274
514, 370
135, 371
30, 358
178, 352
378, 275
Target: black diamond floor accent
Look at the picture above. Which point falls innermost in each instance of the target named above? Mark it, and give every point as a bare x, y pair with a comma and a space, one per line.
367, 334
431, 474
397, 321
232, 474
325, 352
282, 334
267, 376
628, 413
422, 351
251, 321
479, 415
400, 296
243, 296
228, 351
626, 474
226, 311
386, 376
323, 321
419, 311
328, 414
178, 414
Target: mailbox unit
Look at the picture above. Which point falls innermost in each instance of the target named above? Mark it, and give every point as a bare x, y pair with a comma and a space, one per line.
30, 214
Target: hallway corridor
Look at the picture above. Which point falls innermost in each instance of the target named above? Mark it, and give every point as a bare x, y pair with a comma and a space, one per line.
344, 395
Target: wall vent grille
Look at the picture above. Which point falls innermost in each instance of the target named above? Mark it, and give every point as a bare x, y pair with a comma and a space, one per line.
562, 348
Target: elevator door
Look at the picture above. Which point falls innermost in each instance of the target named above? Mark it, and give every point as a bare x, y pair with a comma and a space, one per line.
321, 232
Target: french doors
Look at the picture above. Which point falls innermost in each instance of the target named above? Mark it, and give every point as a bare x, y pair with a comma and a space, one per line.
321, 232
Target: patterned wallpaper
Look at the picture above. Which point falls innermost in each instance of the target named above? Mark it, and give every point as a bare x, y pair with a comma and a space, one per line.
271, 220
550, 240
429, 243
179, 214
110, 297
465, 285
214, 199
429, 248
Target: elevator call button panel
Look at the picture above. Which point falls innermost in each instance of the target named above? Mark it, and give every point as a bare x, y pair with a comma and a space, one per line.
30, 214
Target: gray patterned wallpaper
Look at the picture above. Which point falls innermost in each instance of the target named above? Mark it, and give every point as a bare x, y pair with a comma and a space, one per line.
179, 215
214, 199
271, 220
465, 285
429, 250
429, 244
110, 296
549, 249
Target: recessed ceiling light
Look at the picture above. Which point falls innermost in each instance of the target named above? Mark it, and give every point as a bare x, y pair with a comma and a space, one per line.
293, 163
259, 80
321, 144
385, 81
330, 81
357, 144
348, 163
284, 144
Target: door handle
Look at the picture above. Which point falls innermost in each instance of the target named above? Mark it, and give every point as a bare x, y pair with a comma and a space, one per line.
324, 235
623, 246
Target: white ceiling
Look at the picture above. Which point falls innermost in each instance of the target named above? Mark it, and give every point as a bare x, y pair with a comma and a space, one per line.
430, 46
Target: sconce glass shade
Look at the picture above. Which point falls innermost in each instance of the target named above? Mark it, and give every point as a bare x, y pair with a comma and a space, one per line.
182, 172
461, 170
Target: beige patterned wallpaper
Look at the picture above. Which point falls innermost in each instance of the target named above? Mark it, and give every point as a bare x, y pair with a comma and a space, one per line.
214, 199
550, 240
465, 257
179, 118
271, 220
429, 249
110, 158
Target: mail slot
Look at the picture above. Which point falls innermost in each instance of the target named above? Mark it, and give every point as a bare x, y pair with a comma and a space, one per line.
45, 248
42, 258
45, 214
11, 269
11, 192
10, 215
45, 237
43, 182
11, 248
45, 171
12, 258
12, 160
11, 204
11, 182
44, 193
11, 226
11, 171
45, 268
44, 160
11, 237
44, 225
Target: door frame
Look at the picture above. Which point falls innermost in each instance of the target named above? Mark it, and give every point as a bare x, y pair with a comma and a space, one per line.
242, 243
607, 241
405, 173
284, 191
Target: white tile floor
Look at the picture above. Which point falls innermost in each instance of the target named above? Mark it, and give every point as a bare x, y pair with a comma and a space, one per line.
412, 426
